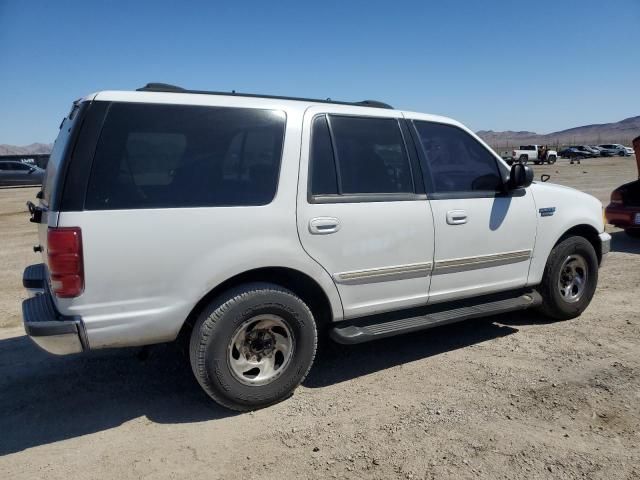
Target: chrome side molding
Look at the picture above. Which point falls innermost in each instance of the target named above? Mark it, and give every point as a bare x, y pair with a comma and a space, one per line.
386, 274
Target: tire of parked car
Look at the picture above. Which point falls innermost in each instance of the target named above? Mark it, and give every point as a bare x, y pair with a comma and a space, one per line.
251, 347
570, 278
551, 159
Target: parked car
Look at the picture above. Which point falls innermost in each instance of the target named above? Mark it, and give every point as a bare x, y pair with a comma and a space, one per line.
597, 150
13, 173
624, 209
612, 149
584, 150
247, 226
574, 154
630, 151
527, 153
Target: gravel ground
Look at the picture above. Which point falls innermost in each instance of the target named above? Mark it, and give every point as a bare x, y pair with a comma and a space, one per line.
513, 396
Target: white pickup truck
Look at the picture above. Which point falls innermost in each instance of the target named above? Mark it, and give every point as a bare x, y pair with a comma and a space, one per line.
530, 152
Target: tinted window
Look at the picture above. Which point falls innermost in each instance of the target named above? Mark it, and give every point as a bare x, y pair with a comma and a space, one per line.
5, 166
21, 167
456, 161
152, 156
323, 167
371, 156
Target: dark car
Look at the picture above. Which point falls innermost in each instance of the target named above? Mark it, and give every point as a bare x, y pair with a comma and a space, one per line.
574, 154
13, 173
583, 151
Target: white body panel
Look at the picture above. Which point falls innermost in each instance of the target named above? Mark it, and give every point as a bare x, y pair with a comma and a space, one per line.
499, 233
572, 208
394, 236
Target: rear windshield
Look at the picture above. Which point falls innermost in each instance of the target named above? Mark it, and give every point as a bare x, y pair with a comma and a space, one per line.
60, 150
155, 156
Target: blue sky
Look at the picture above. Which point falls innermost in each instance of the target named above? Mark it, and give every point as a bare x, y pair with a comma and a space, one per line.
519, 65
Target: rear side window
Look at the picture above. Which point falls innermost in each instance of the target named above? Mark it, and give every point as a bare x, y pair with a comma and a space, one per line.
358, 155
155, 156
371, 156
455, 161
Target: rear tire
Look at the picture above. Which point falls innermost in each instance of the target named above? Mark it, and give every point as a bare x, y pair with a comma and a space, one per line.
570, 278
633, 232
253, 346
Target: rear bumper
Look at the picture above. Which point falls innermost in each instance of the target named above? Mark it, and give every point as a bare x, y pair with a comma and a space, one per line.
621, 216
51, 331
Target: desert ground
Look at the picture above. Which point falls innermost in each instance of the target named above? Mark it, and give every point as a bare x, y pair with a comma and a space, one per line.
508, 397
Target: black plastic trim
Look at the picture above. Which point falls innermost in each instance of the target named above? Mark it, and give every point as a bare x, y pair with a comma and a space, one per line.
520, 192
165, 87
385, 325
41, 319
33, 277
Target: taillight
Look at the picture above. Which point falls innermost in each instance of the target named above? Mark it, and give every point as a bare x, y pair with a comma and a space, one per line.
64, 249
616, 197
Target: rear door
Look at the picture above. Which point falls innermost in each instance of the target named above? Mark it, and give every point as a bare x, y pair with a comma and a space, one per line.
484, 237
362, 212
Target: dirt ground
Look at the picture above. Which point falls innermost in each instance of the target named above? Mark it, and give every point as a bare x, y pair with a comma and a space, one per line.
508, 397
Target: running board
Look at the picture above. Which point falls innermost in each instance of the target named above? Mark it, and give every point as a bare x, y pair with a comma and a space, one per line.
381, 326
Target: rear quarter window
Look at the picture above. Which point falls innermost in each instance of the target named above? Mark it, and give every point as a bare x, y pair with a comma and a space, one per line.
172, 156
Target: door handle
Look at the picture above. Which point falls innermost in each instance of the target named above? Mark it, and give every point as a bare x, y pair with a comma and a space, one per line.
456, 217
324, 225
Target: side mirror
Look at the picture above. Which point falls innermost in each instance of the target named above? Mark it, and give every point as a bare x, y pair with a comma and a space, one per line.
521, 176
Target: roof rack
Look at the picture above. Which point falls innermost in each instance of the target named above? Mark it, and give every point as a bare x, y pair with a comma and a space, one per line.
165, 87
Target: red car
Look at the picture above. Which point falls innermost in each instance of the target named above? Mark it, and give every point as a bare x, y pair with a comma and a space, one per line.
624, 209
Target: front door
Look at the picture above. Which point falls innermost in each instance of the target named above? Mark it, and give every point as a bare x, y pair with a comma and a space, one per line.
484, 236
362, 212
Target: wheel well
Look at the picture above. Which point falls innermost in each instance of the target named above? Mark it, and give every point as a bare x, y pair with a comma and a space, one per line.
299, 283
588, 232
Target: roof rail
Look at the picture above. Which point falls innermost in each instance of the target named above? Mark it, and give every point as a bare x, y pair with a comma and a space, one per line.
165, 87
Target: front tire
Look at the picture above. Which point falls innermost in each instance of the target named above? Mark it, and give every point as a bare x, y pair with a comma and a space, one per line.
570, 279
552, 159
253, 346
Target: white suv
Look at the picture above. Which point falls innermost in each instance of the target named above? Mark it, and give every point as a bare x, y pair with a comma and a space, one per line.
250, 225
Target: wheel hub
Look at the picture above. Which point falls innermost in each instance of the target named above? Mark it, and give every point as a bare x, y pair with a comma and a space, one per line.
260, 350
573, 278
259, 343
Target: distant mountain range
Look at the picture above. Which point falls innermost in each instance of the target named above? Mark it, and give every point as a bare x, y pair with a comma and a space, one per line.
33, 149
618, 132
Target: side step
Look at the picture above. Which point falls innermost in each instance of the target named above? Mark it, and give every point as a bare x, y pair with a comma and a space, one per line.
396, 323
